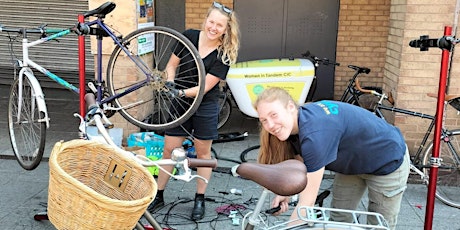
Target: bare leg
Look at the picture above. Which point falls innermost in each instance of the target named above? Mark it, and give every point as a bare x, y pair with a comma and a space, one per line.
169, 144
203, 151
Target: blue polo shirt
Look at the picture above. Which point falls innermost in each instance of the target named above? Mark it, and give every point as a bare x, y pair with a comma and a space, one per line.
348, 139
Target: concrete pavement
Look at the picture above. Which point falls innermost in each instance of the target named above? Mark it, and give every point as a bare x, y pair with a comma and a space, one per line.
24, 193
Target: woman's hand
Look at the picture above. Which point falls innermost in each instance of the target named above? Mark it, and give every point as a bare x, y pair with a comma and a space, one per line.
282, 202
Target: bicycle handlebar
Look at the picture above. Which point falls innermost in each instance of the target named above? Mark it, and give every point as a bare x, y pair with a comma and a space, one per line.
39, 30
316, 60
285, 178
208, 163
388, 97
90, 100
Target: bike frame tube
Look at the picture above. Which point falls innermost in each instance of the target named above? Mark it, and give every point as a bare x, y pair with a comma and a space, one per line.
81, 67
254, 218
144, 69
417, 114
27, 62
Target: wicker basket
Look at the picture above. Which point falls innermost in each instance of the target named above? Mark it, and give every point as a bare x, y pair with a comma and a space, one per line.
93, 186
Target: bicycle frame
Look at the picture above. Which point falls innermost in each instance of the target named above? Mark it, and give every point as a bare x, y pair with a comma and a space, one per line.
444, 132
101, 31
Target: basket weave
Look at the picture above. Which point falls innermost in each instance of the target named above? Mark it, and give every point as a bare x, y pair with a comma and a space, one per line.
80, 198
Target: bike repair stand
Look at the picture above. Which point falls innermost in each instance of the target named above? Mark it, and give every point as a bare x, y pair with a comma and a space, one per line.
82, 83
446, 43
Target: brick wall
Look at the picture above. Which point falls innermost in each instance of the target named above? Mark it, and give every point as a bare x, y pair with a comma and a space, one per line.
195, 11
412, 73
361, 40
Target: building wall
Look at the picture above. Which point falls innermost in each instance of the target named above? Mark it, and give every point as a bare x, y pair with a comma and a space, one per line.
412, 74
195, 11
362, 41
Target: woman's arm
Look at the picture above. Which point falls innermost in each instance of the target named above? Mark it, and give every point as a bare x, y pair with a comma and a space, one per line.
308, 196
171, 67
210, 81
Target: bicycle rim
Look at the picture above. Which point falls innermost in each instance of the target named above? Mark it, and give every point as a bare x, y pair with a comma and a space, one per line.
27, 130
141, 80
250, 154
448, 179
225, 110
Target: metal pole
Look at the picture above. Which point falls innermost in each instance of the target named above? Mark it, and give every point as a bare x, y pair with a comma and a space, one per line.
81, 67
437, 135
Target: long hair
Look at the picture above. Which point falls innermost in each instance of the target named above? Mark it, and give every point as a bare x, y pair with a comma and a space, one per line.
272, 150
230, 40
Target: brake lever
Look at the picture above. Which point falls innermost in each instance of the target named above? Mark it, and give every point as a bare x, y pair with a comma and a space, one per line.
187, 175
82, 126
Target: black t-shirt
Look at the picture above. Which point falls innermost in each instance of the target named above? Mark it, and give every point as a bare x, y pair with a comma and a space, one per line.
212, 63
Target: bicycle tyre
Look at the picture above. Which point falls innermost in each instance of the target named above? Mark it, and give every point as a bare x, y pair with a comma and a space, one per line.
28, 132
139, 86
448, 180
250, 154
225, 110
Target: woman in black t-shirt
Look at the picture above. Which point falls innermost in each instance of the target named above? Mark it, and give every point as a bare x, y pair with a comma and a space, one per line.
217, 44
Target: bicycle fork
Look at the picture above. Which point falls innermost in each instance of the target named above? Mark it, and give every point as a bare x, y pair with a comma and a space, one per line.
36, 96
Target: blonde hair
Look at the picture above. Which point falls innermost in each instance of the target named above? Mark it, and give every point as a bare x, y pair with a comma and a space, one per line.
231, 38
272, 150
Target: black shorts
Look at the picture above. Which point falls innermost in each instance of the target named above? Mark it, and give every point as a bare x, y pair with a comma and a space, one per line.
202, 125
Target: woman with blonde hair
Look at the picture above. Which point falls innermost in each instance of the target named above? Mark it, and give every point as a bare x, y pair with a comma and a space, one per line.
217, 43
365, 151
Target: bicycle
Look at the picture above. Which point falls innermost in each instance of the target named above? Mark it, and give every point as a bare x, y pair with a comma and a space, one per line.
138, 81
448, 180
292, 181
96, 117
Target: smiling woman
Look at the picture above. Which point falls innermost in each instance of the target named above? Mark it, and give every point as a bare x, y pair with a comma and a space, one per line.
332, 135
217, 43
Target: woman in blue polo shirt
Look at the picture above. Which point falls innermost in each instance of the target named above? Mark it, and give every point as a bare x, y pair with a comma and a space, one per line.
366, 152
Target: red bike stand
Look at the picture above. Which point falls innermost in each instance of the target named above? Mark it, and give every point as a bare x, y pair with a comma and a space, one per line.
81, 69
446, 44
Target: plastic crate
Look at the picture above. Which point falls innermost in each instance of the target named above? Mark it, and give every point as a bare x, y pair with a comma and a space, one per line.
153, 145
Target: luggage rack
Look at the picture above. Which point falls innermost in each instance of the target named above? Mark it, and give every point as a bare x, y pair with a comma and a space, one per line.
321, 216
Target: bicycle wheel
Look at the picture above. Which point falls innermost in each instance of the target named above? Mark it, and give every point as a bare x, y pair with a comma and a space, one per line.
26, 127
448, 180
250, 154
225, 110
136, 77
